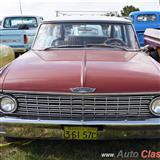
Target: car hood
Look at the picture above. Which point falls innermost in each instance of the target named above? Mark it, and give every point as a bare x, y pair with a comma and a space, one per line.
106, 70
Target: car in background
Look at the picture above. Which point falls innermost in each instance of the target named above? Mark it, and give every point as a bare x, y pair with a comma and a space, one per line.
143, 20
6, 55
18, 32
85, 78
152, 43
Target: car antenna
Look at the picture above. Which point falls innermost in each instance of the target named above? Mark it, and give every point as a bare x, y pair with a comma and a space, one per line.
20, 7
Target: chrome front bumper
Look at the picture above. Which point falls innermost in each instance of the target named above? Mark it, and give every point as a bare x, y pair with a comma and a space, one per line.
14, 127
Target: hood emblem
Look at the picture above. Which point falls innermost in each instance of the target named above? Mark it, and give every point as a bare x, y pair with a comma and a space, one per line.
83, 90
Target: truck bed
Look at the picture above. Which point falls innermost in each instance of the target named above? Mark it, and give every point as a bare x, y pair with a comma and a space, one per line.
19, 40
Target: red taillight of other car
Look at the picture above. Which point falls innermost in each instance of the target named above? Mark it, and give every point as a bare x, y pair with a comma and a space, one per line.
25, 39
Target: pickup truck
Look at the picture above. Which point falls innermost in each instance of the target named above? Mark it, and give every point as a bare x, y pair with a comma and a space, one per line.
18, 32
143, 20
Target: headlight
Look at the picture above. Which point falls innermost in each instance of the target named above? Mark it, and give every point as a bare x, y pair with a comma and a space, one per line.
8, 104
155, 106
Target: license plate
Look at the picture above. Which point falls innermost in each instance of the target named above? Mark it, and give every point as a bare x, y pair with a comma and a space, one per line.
80, 133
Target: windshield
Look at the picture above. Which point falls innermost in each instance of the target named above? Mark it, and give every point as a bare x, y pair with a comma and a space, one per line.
85, 34
15, 22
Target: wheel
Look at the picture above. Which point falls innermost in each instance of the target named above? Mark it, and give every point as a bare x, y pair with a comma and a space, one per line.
57, 42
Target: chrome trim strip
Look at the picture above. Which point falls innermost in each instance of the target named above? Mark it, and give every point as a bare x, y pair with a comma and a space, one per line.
67, 93
148, 122
60, 107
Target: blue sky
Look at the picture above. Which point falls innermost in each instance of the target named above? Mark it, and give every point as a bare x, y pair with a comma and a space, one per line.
47, 8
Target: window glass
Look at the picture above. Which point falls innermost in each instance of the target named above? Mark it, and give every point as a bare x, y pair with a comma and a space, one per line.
15, 22
146, 17
85, 33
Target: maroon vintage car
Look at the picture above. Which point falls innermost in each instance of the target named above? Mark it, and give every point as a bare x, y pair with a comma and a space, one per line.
84, 78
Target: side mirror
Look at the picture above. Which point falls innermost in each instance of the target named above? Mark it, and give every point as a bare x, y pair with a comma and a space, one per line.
148, 48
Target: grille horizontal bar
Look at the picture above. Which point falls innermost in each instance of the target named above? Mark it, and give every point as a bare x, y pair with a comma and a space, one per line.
83, 107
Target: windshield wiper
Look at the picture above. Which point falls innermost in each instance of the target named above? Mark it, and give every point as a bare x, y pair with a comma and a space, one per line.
91, 45
64, 46
109, 46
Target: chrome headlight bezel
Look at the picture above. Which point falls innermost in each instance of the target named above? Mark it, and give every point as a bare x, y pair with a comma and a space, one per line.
12, 99
151, 106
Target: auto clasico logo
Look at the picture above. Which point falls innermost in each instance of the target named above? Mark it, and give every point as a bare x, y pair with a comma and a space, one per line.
145, 154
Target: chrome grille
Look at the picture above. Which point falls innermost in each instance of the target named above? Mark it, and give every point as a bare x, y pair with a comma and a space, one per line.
83, 107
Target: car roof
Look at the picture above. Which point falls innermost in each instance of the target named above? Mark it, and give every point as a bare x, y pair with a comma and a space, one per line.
21, 16
144, 12
89, 19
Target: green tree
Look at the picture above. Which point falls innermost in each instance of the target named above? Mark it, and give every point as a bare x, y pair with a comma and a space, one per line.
127, 10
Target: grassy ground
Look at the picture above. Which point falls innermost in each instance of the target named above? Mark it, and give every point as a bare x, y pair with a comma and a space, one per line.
74, 150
